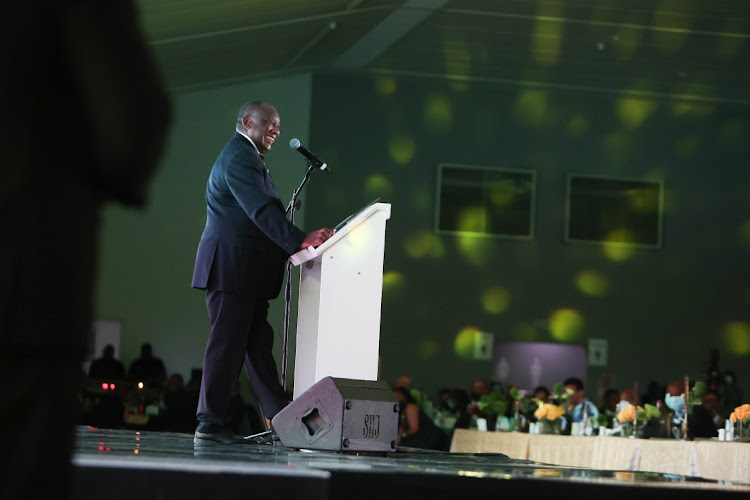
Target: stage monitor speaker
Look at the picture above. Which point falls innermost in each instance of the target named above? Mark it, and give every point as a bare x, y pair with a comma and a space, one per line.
338, 414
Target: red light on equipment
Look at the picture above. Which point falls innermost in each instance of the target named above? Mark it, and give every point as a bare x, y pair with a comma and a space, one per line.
105, 386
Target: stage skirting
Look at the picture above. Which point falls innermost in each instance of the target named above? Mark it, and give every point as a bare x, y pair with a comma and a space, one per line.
719, 460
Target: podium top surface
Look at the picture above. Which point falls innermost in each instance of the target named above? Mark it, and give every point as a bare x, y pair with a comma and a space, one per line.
344, 228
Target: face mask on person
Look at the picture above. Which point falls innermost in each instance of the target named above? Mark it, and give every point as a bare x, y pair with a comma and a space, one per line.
674, 403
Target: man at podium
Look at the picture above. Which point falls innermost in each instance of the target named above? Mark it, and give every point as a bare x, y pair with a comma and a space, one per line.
240, 265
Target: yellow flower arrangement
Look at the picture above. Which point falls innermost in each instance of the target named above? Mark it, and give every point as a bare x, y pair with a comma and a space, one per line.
630, 413
549, 412
741, 413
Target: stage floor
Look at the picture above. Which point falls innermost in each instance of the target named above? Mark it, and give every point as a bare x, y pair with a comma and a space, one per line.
144, 465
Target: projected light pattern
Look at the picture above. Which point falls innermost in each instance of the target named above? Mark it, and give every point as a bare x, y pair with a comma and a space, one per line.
592, 282
475, 250
424, 244
577, 126
525, 331
566, 325
530, 107
465, 340
669, 42
496, 300
737, 337
385, 86
547, 34
428, 349
378, 185
438, 114
744, 233
613, 246
633, 111
401, 149
458, 56
394, 285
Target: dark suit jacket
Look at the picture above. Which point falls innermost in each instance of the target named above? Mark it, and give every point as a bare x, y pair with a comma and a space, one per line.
247, 237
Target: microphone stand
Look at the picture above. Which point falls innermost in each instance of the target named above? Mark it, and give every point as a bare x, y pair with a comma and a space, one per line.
290, 209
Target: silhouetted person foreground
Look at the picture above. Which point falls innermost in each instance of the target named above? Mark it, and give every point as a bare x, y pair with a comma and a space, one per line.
83, 121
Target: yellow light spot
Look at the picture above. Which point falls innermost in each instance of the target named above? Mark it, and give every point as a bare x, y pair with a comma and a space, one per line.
592, 283
687, 146
526, 332
378, 185
627, 42
617, 247
464, 342
577, 127
385, 86
670, 41
428, 349
643, 201
737, 337
475, 249
547, 35
438, 114
394, 285
457, 56
502, 193
734, 134
473, 220
401, 149
684, 109
745, 233
633, 111
530, 107
496, 300
566, 325
728, 47
424, 244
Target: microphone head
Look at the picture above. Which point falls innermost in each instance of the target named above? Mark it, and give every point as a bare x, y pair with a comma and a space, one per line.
294, 143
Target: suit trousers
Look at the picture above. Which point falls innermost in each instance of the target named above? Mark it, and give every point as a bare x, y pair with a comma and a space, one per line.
240, 334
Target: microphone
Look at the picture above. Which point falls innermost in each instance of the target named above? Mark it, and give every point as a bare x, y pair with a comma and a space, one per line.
314, 160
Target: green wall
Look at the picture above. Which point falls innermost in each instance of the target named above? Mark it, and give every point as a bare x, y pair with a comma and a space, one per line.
661, 310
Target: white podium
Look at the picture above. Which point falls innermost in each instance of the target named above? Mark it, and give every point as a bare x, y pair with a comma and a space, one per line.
338, 312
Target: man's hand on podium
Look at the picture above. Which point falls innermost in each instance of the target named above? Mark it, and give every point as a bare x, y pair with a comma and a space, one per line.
316, 238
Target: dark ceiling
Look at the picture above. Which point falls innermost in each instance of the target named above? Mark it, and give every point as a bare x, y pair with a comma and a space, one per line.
697, 49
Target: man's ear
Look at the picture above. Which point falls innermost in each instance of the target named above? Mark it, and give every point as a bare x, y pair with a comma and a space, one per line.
247, 121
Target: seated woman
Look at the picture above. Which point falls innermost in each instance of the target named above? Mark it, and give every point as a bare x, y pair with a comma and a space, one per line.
415, 429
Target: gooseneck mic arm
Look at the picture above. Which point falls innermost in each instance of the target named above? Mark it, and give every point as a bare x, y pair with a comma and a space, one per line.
314, 160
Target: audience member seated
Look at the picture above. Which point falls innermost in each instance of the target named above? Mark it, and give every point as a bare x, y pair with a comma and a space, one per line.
654, 394
712, 403
453, 411
629, 396
541, 393
416, 429
107, 366
479, 387
181, 406
148, 368
578, 406
731, 394
420, 397
609, 408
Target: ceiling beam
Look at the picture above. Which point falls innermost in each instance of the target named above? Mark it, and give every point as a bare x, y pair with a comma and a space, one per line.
388, 32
